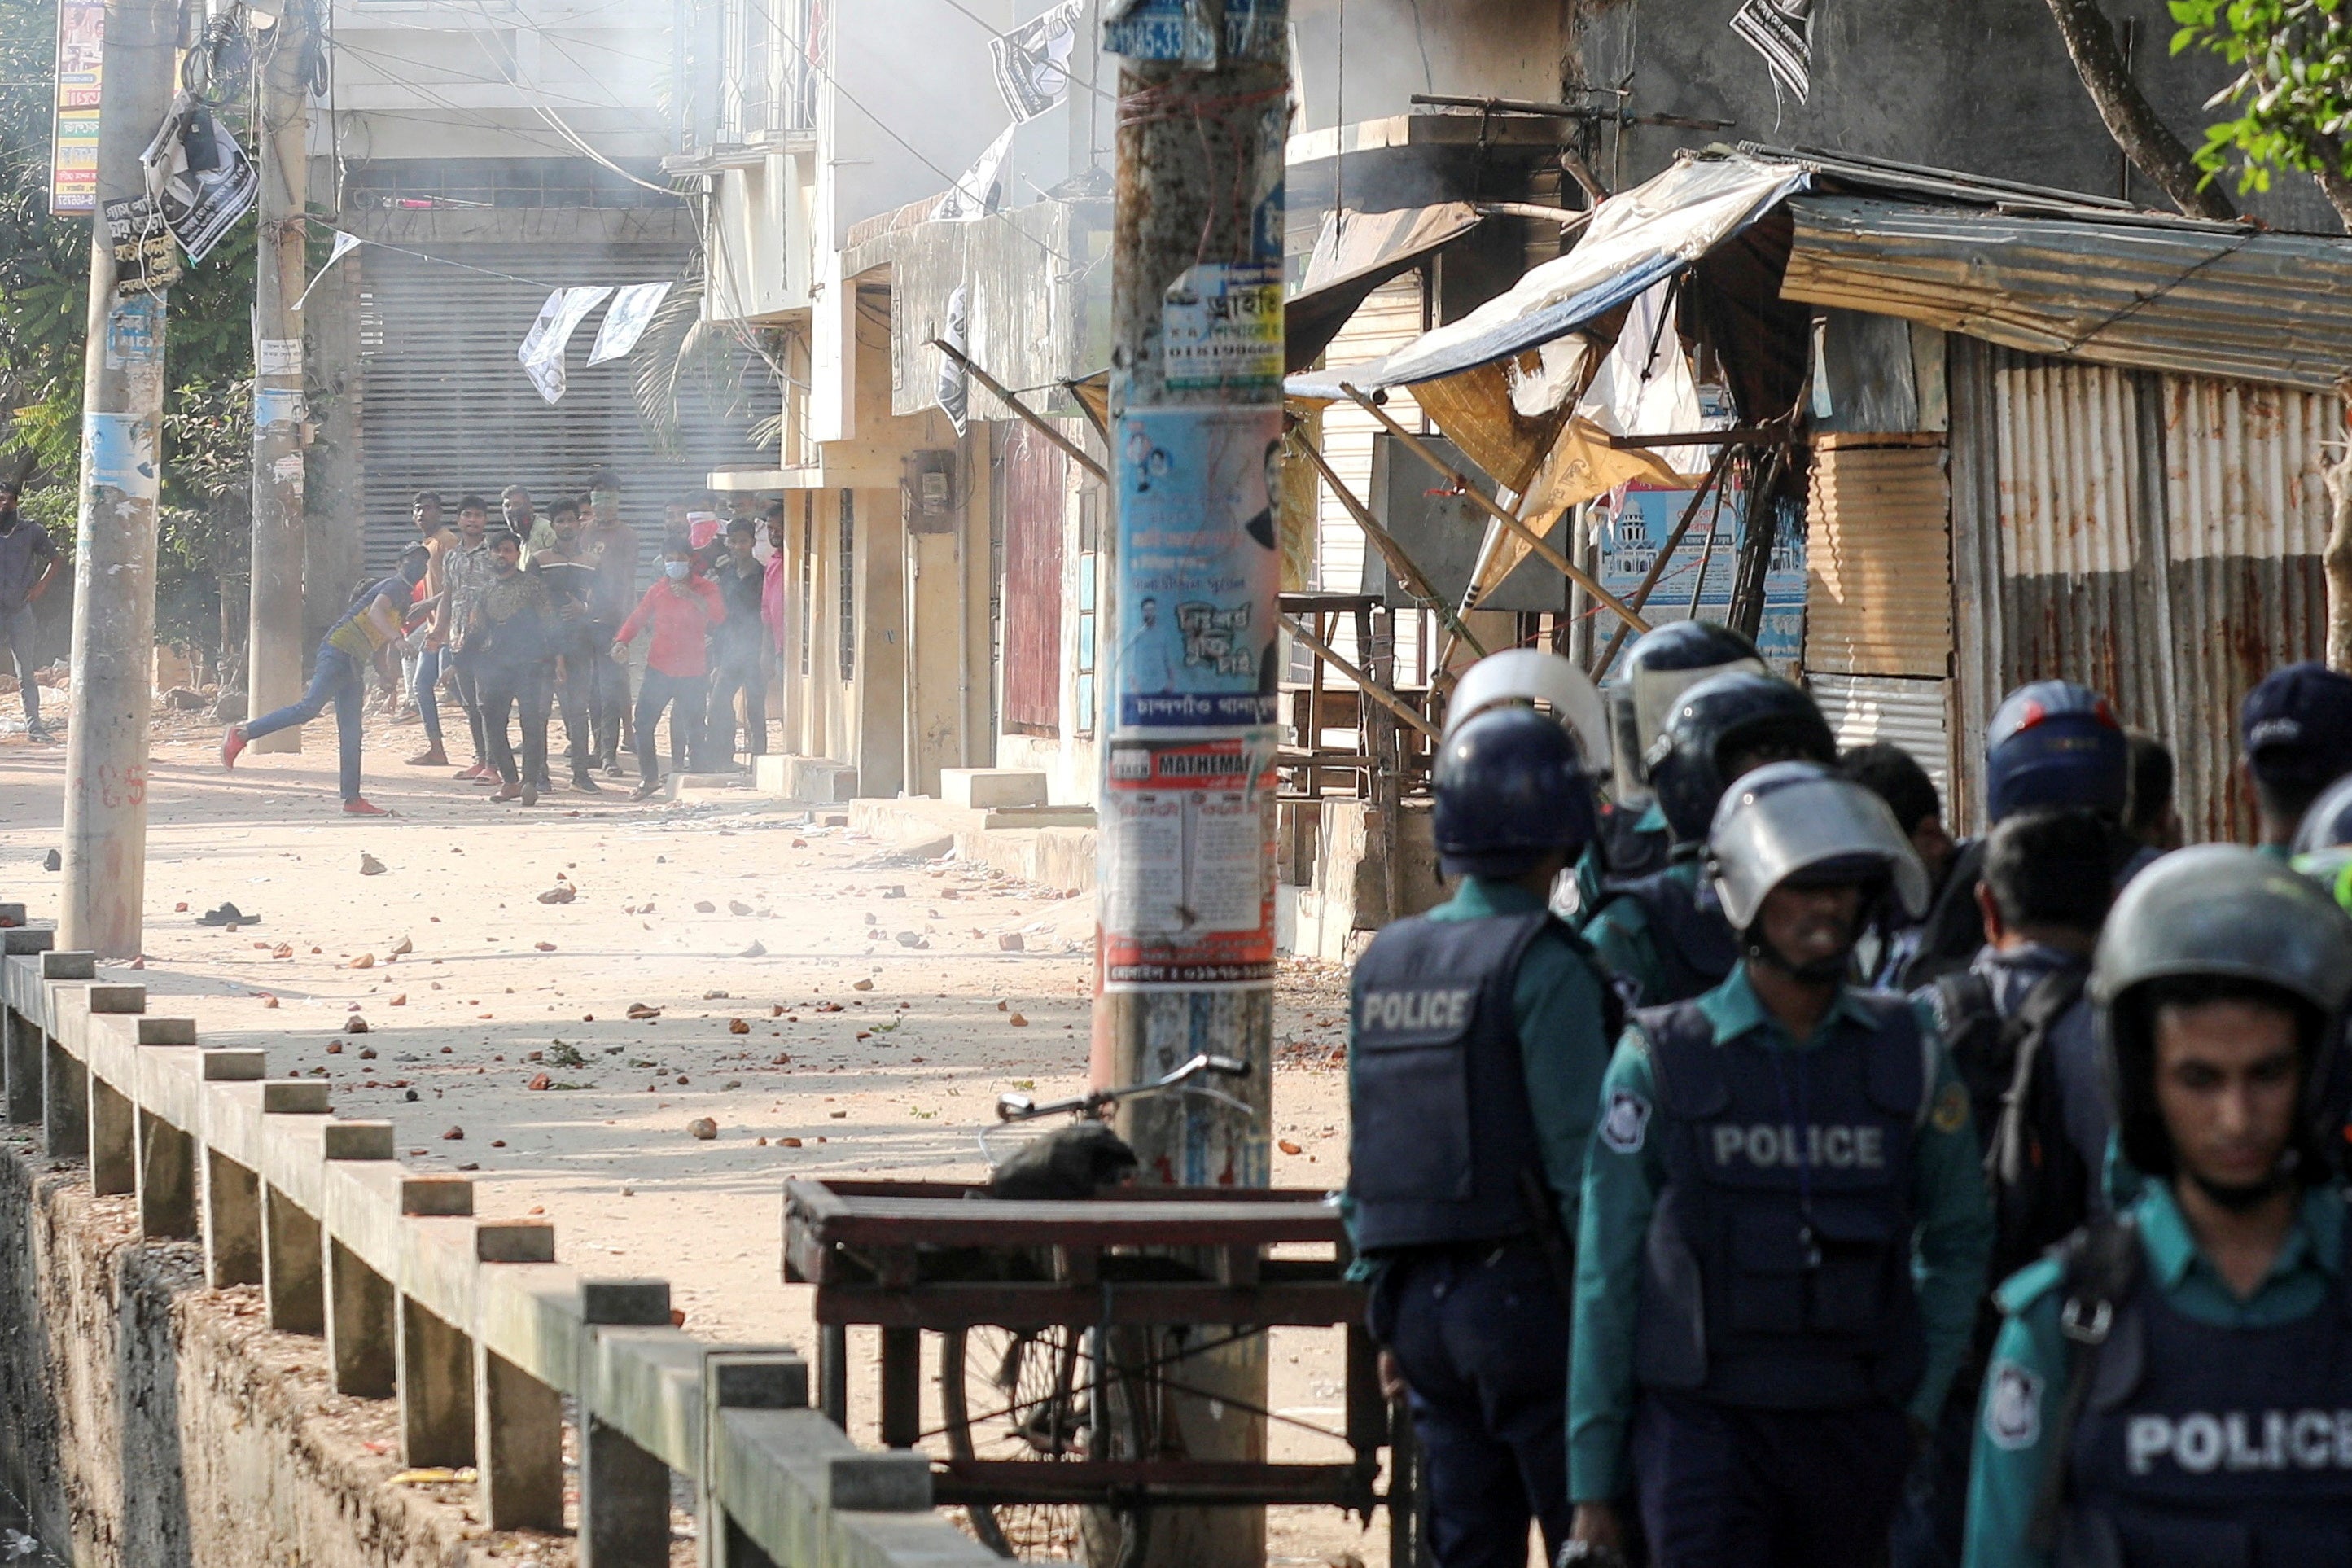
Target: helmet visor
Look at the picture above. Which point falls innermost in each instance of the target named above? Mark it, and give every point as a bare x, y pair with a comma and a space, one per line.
1540, 680
1775, 824
1655, 692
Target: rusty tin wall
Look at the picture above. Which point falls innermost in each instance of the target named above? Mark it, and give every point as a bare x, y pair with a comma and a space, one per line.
2153, 536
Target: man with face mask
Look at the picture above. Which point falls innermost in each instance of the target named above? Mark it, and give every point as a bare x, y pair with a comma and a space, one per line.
1657, 932
1753, 1350
28, 565
680, 611
2170, 1385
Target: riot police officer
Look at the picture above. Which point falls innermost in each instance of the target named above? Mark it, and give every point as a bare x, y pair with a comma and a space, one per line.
1478, 1036
2170, 1386
1664, 662
1751, 1349
2296, 726
2052, 746
1655, 932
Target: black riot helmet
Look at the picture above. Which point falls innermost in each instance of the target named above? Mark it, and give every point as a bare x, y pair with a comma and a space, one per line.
1669, 659
2212, 922
1719, 730
1510, 789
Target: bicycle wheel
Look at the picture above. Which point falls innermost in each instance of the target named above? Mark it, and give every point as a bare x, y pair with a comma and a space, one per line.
1031, 1396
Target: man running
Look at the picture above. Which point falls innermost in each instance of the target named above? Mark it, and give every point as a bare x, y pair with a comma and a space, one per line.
339, 676
28, 565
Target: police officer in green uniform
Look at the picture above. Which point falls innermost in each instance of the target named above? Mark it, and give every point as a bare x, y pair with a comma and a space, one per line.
1784, 1228
1478, 1035
1664, 662
2174, 1386
1658, 933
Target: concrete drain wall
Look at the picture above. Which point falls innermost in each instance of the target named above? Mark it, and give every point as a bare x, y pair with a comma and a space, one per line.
145, 1423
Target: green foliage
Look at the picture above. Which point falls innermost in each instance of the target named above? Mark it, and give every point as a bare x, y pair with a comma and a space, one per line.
43, 307
2293, 90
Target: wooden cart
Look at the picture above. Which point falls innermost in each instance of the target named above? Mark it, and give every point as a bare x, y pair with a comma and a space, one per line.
916, 1257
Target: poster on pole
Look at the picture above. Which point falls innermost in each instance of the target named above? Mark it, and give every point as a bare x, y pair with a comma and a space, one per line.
1199, 564
73, 135
205, 179
1187, 900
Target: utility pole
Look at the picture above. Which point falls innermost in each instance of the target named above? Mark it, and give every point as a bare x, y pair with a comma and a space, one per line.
273, 641
1186, 945
114, 565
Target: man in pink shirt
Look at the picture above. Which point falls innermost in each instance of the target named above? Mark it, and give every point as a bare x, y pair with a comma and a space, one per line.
680, 611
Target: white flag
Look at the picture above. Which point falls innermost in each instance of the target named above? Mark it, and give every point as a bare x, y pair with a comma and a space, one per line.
975, 193
1032, 61
344, 244
542, 349
633, 311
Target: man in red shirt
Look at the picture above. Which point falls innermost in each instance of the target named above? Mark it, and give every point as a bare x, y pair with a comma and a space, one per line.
679, 610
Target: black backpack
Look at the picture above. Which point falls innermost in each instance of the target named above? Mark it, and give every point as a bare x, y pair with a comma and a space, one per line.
2037, 1180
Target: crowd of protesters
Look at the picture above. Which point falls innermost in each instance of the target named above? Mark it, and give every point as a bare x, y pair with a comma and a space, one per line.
537, 617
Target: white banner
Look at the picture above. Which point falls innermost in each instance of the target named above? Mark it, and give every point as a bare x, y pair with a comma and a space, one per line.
1032, 61
633, 311
344, 244
541, 352
975, 193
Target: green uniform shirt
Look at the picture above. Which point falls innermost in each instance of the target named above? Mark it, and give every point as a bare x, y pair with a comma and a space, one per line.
1622, 1185
1556, 1002
2031, 1363
1621, 936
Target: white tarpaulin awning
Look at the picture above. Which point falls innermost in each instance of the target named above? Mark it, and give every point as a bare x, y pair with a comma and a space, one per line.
1636, 238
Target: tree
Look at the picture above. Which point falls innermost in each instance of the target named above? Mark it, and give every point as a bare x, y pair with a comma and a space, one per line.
2130, 118
44, 305
2293, 89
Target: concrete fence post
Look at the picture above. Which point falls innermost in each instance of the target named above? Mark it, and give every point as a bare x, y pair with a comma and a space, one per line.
435, 1371
518, 1419
623, 1490
293, 1266
231, 1209
112, 1136
770, 1379
363, 1309
65, 1088
167, 1181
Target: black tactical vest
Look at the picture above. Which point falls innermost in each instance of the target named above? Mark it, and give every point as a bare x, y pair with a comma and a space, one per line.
2213, 1447
1440, 1128
1697, 951
1777, 1268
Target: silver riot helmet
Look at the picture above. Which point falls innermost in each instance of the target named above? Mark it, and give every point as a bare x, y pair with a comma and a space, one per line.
1532, 678
2213, 923
1667, 661
1787, 820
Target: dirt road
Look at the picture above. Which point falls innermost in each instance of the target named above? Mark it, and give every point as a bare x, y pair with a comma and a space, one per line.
832, 1009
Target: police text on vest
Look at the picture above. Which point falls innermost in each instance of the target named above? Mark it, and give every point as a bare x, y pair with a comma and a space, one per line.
1833, 1148
1445, 1009
2201, 1443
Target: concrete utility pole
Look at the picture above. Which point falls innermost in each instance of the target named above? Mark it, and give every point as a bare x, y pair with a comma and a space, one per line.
1187, 870
273, 642
114, 566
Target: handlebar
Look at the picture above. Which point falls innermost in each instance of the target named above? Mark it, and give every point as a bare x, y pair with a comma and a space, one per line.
1011, 1108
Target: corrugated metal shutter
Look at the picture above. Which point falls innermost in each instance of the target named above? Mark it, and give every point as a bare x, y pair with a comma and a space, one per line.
1035, 479
1913, 714
1878, 598
447, 407
2246, 515
2154, 537
2076, 512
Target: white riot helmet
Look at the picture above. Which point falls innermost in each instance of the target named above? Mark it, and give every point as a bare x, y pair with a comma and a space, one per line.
1538, 679
1799, 819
